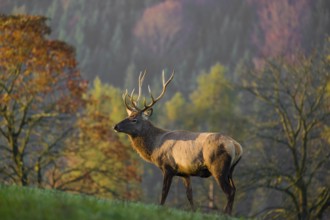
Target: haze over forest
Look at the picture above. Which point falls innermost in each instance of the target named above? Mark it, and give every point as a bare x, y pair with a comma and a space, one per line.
256, 70
115, 40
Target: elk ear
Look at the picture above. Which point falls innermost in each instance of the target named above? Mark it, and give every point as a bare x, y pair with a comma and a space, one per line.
147, 113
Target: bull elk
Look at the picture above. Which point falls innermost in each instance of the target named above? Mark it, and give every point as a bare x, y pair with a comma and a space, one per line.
180, 153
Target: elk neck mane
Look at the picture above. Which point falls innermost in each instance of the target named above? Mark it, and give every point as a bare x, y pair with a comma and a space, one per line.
145, 143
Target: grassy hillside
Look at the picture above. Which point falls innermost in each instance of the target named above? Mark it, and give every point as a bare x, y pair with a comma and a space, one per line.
30, 203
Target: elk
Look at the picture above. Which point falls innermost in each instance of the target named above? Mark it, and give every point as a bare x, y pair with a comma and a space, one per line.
180, 153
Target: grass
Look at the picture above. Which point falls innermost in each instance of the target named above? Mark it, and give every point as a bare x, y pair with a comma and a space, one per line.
30, 203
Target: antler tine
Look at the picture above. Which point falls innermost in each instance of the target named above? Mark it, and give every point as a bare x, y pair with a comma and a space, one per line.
125, 95
169, 80
141, 78
152, 97
132, 93
163, 77
165, 83
134, 103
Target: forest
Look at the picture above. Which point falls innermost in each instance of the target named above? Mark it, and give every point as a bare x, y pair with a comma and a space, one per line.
258, 71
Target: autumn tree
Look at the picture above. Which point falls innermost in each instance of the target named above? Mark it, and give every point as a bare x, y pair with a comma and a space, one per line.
174, 114
40, 90
292, 115
214, 101
99, 162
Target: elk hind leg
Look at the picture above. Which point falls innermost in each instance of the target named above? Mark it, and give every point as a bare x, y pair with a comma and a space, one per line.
220, 170
231, 174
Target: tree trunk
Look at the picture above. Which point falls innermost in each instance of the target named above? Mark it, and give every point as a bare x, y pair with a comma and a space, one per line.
303, 205
39, 172
24, 178
18, 158
211, 195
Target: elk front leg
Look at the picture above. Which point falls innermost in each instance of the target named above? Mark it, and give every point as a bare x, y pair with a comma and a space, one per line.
186, 182
166, 186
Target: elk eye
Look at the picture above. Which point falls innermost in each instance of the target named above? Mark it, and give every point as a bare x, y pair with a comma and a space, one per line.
134, 120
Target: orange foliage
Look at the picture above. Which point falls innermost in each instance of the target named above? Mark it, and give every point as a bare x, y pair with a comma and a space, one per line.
33, 65
102, 163
38, 81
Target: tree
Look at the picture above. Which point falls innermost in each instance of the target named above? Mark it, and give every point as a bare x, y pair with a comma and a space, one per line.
98, 161
40, 90
174, 114
292, 116
211, 105
213, 101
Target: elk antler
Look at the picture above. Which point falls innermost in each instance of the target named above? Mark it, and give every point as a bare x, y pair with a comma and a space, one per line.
153, 100
133, 105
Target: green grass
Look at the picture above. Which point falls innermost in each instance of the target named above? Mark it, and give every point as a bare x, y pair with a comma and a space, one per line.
30, 203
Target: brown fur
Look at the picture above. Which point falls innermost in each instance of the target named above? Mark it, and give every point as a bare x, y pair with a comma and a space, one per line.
185, 154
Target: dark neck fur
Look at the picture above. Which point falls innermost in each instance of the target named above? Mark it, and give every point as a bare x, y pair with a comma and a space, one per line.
144, 143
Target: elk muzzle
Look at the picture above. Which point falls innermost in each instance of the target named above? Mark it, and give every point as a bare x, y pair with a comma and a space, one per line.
122, 126
116, 128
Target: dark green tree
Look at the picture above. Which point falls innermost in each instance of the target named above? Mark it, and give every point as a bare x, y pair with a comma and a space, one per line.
292, 158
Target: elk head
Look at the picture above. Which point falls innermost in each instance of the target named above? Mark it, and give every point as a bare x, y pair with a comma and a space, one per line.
138, 117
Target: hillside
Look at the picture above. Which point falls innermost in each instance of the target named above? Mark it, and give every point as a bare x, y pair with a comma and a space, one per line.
31, 203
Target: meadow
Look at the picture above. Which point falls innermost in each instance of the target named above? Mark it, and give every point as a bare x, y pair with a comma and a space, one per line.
31, 203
